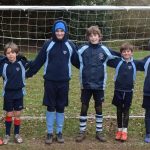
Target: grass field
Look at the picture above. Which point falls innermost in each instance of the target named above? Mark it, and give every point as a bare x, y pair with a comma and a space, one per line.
34, 131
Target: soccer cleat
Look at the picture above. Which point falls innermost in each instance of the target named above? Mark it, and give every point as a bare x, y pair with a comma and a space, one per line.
6, 139
1, 141
100, 136
18, 139
124, 136
59, 138
81, 136
49, 138
118, 135
147, 138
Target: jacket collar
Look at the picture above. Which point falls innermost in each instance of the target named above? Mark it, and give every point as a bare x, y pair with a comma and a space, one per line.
131, 59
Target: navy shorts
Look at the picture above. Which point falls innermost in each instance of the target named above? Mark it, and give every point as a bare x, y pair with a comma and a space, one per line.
13, 105
86, 94
122, 98
56, 94
146, 102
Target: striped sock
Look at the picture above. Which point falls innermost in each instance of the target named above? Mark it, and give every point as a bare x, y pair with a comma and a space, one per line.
83, 120
99, 122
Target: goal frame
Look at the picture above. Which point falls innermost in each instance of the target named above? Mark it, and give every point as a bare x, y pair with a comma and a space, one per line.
104, 7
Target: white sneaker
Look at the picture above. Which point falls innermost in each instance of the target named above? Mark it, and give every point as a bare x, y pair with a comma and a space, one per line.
18, 139
6, 139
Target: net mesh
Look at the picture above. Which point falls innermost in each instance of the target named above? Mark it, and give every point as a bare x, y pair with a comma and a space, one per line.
30, 28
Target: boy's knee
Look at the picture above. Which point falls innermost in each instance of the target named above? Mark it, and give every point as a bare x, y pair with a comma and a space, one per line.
17, 114
98, 108
98, 104
9, 114
147, 113
84, 109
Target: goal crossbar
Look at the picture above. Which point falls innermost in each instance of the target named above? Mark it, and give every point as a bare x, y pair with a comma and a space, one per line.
104, 7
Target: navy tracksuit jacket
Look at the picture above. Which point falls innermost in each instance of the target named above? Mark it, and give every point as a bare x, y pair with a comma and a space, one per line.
145, 66
93, 59
57, 56
13, 77
125, 73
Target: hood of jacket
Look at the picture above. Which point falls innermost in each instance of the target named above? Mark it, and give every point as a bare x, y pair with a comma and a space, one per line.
53, 31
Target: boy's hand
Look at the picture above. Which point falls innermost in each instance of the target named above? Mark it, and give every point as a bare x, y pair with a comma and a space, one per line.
21, 57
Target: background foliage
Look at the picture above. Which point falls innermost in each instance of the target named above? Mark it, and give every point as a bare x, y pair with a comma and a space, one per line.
74, 2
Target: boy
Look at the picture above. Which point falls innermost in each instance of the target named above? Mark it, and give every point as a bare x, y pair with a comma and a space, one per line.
145, 66
12, 69
124, 84
57, 54
93, 57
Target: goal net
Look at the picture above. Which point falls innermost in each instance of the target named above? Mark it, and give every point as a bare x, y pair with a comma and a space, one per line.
30, 26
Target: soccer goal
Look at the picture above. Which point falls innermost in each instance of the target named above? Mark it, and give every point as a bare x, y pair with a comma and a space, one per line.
30, 26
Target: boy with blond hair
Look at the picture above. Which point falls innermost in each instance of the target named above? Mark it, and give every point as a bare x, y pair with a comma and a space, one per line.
93, 57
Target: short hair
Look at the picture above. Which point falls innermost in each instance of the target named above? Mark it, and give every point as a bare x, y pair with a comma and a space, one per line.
93, 30
126, 46
13, 47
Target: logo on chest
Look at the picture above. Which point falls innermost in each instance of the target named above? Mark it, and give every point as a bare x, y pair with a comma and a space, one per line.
129, 67
64, 52
17, 68
101, 56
